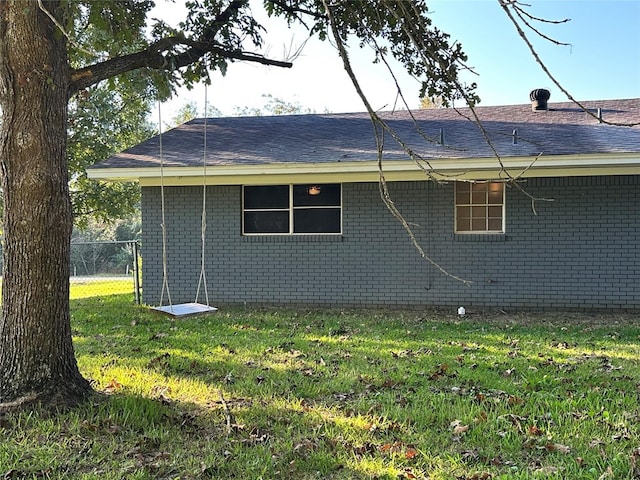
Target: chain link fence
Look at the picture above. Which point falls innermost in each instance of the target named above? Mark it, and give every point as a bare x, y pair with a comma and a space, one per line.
105, 268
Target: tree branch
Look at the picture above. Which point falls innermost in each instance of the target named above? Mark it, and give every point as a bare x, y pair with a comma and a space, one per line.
292, 11
380, 127
506, 4
153, 57
159, 54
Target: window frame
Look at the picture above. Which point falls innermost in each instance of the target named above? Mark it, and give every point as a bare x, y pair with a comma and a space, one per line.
291, 209
486, 204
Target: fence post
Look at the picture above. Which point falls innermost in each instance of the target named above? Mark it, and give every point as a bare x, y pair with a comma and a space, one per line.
136, 273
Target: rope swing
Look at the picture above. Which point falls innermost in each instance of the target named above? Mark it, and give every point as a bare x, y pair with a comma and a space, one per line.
194, 308
202, 280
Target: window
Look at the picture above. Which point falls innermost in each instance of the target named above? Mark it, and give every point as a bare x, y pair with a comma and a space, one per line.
479, 207
292, 209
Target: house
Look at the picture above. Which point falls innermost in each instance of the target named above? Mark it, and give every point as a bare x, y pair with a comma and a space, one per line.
295, 215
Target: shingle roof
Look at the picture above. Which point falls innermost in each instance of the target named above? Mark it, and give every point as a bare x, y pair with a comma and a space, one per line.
319, 138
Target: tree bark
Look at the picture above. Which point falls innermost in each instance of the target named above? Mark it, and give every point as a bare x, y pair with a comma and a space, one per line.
37, 362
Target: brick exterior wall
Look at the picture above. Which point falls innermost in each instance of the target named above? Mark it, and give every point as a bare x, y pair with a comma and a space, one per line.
579, 251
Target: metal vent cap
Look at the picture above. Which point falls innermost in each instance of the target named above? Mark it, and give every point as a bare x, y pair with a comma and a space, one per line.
539, 98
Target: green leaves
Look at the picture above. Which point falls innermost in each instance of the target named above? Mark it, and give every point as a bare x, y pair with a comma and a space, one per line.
391, 28
103, 120
216, 33
107, 28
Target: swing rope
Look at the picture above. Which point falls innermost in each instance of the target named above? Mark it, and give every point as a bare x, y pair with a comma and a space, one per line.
165, 274
186, 308
203, 231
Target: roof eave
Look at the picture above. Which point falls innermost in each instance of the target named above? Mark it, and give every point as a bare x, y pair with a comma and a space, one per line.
367, 171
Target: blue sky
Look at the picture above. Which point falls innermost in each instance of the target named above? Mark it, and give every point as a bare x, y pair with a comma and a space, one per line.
602, 61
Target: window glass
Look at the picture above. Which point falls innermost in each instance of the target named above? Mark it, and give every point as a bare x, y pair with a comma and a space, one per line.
316, 195
495, 211
478, 224
464, 212
479, 198
266, 197
316, 220
316, 209
266, 222
463, 193
495, 224
463, 224
495, 197
479, 212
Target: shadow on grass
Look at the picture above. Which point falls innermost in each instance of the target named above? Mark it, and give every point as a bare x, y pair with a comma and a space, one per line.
268, 396
322, 394
128, 436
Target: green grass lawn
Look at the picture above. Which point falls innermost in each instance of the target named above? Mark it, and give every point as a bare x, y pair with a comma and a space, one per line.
275, 394
99, 287
92, 288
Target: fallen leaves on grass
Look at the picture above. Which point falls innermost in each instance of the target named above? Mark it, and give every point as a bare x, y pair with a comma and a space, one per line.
306, 446
458, 427
20, 474
441, 371
411, 353
480, 476
112, 387
159, 361
558, 447
398, 448
161, 392
534, 431
547, 470
607, 474
635, 462
158, 336
407, 473
515, 420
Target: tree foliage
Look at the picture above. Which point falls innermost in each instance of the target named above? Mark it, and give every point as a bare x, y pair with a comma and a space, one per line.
273, 106
103, 120
189, 111
217, 33
111, 116
398, 28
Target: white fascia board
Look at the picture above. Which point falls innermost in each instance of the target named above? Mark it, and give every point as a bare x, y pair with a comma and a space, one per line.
367, 171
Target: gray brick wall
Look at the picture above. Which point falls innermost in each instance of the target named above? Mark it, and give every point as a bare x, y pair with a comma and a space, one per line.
579, 251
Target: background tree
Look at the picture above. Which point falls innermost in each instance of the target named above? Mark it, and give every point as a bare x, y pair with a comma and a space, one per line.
103, 120
428, 103
189, 111
45, 61
273, 106
96, 248
110, 116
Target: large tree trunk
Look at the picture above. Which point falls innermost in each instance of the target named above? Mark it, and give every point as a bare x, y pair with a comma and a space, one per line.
37, 363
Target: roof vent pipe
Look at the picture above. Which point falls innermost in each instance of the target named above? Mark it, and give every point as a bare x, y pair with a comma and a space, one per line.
599, 114
539, 98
